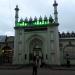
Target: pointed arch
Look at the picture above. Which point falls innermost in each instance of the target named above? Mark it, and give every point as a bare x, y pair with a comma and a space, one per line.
35, 46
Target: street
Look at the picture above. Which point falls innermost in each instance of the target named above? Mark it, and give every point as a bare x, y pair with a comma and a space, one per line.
41, 71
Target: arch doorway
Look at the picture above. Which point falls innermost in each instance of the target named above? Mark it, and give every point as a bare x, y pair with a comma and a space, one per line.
7, 54
35, 49
69, 53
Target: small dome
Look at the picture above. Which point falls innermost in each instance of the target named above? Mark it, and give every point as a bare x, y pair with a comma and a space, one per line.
63, 34
21, 20
35, 19
17, 9
68, 34
30, 19
16, 6
40, 18
50, 19
72, 34
45, 18
26, 20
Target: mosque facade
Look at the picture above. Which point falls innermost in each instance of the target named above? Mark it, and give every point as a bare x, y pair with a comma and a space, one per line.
40, 37
37, 37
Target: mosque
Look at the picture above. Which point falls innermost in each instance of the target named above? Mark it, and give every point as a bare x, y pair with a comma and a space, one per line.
40, 38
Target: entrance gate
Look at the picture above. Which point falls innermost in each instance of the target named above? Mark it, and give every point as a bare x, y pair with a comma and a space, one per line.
36, 50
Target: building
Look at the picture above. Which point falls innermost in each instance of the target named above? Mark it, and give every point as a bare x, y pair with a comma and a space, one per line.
6, 49
40, 38
66, 45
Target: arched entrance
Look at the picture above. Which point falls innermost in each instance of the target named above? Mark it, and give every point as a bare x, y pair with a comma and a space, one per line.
69, 53
7, 54
35, 49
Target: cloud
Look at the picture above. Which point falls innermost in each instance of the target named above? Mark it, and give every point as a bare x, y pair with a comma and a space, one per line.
66, 13
9, 33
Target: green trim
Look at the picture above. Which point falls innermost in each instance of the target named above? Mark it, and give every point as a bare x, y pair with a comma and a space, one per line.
33, 23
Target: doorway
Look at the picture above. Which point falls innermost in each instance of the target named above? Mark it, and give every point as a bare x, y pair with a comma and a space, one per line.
36, 50
7, 54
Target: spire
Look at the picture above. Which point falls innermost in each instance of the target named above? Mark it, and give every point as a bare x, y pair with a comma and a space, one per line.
50, 19
55, 11
55, 3
35, 19
16, 14
40, 19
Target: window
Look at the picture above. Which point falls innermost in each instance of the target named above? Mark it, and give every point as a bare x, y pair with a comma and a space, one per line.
25, 56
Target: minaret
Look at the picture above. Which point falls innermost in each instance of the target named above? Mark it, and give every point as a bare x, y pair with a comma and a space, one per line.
16, 14
55, 11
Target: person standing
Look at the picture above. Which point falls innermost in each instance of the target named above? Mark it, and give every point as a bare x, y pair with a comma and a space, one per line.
34, 66
37, 61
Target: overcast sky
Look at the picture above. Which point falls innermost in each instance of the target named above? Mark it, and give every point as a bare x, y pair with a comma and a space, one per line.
66, 13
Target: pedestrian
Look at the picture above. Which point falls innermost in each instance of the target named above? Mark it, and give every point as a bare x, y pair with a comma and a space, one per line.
34, 66
37, 60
